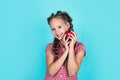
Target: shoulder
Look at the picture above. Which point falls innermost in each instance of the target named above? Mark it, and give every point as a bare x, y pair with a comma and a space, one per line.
49, 47
79, 47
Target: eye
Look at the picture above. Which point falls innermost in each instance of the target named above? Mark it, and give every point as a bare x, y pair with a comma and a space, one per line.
59, 27
52, 29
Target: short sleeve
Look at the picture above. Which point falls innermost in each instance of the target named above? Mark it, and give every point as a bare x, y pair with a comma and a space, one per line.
49, 47
79, 47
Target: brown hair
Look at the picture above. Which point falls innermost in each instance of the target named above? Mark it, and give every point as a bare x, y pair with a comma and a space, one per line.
65, 17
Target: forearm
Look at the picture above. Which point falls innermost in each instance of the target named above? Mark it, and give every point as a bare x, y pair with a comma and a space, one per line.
72, 64
55, 66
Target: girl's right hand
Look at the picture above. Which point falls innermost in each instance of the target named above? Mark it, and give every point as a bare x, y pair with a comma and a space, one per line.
65, 42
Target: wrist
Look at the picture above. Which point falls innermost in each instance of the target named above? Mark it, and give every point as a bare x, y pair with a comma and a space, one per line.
71, 47
66, 51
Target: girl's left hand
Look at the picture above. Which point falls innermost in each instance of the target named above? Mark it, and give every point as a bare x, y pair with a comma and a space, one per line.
73, 38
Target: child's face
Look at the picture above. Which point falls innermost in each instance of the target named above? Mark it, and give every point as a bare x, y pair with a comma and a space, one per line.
59, 27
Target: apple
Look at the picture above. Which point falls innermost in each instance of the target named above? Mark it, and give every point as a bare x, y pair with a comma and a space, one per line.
68, 34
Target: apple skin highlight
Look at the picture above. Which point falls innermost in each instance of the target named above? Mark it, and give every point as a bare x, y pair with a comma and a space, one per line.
68, 34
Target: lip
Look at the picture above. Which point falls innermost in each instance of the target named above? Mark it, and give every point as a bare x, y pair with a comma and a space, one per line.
59, 36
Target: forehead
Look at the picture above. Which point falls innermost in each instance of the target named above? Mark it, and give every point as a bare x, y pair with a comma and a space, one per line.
57, 21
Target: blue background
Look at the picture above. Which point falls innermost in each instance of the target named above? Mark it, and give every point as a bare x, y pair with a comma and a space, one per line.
24, 34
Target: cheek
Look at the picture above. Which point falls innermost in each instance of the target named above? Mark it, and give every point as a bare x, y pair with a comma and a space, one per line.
66, 28
53, 33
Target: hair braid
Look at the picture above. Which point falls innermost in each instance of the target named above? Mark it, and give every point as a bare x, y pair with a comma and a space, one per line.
65, 17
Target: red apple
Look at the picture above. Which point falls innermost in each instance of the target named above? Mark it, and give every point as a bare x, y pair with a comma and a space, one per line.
68, 33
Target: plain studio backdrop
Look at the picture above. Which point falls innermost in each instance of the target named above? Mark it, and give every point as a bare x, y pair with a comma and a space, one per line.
24, 34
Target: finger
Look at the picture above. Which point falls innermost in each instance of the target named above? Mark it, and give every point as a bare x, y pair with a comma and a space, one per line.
68, 42
72, 36
75, 35
64, 37
67, 39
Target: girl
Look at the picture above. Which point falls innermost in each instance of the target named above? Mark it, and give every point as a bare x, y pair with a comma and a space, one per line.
63, 56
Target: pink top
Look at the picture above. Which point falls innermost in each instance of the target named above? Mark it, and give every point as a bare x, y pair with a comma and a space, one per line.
62, 73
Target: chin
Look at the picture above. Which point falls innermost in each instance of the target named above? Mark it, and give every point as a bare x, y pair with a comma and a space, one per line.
59, 38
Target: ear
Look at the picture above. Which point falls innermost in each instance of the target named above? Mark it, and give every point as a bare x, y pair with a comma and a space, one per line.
68, 25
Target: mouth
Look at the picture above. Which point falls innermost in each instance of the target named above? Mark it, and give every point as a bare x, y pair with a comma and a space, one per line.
59, 35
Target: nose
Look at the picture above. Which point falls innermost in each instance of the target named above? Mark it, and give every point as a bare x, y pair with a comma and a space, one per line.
56, 31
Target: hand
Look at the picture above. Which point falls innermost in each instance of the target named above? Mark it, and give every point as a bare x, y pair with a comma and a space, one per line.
65, 42
73, 37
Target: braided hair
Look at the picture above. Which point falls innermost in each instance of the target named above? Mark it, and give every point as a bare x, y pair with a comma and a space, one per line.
65, 17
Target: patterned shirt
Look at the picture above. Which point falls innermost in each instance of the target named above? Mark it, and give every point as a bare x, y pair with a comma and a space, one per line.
62, 72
